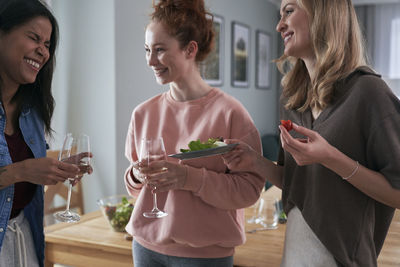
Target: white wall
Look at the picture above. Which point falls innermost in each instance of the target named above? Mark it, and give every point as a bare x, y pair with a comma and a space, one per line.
386, 43
102, 75
134, 80
84, 87
259, 15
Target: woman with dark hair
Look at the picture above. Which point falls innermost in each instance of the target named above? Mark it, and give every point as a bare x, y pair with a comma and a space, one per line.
204, 201
28, 39
339, 167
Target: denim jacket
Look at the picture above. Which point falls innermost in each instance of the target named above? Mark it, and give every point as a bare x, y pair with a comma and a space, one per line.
32, 128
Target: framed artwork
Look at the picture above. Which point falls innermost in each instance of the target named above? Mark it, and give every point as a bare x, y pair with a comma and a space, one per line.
240, 54
263, 60
211, 69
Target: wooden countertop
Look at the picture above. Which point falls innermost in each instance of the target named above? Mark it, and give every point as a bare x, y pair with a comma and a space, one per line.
91, 242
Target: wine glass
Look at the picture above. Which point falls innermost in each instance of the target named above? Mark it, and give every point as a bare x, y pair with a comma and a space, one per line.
152, 150
75, 150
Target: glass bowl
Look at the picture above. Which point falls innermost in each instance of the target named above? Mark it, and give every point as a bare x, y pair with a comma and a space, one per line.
117, 210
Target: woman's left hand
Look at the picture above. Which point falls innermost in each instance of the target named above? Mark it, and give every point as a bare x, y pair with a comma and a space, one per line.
312, 149
173, 178
77, 160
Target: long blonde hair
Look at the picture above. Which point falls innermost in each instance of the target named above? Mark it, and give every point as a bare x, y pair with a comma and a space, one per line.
338, 46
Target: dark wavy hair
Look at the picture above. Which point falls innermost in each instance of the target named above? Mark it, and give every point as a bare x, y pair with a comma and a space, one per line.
187, 20
14, 13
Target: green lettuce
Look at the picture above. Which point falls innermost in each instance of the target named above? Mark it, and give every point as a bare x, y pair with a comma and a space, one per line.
198, 145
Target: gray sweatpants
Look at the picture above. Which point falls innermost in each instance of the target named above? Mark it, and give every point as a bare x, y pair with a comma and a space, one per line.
144, 257
18, 248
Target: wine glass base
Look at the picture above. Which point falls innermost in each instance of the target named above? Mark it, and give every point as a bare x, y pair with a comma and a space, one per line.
155, 214
269, 226
253, 219
67, 216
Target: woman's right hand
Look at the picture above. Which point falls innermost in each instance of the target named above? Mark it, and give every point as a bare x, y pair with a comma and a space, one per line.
242, 158
44, 171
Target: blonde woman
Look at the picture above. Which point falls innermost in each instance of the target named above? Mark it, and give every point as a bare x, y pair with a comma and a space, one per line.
339, 167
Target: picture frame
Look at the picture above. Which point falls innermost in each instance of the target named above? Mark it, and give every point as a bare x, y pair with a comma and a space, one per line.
212, 68
263, 60
240, 55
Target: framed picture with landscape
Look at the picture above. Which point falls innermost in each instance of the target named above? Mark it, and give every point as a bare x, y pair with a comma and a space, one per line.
240, 54
263, 60
211, 69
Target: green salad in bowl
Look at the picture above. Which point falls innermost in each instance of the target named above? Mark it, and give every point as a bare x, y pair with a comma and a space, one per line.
117, 210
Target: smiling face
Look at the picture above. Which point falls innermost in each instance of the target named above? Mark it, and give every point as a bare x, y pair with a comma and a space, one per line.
295, 30
24, 50
164, 54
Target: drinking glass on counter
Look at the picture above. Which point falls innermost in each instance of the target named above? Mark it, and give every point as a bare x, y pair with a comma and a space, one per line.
255, 218
268, 212
153, 150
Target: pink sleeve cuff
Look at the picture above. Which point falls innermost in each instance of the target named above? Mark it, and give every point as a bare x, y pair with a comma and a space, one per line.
129, 182
194, 179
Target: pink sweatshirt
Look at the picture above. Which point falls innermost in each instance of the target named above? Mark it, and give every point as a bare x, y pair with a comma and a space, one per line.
206, 217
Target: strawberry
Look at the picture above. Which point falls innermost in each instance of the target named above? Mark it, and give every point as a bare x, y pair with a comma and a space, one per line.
287, 124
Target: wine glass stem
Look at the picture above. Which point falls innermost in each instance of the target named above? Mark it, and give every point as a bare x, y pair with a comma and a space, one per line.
69, 193
155, 201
